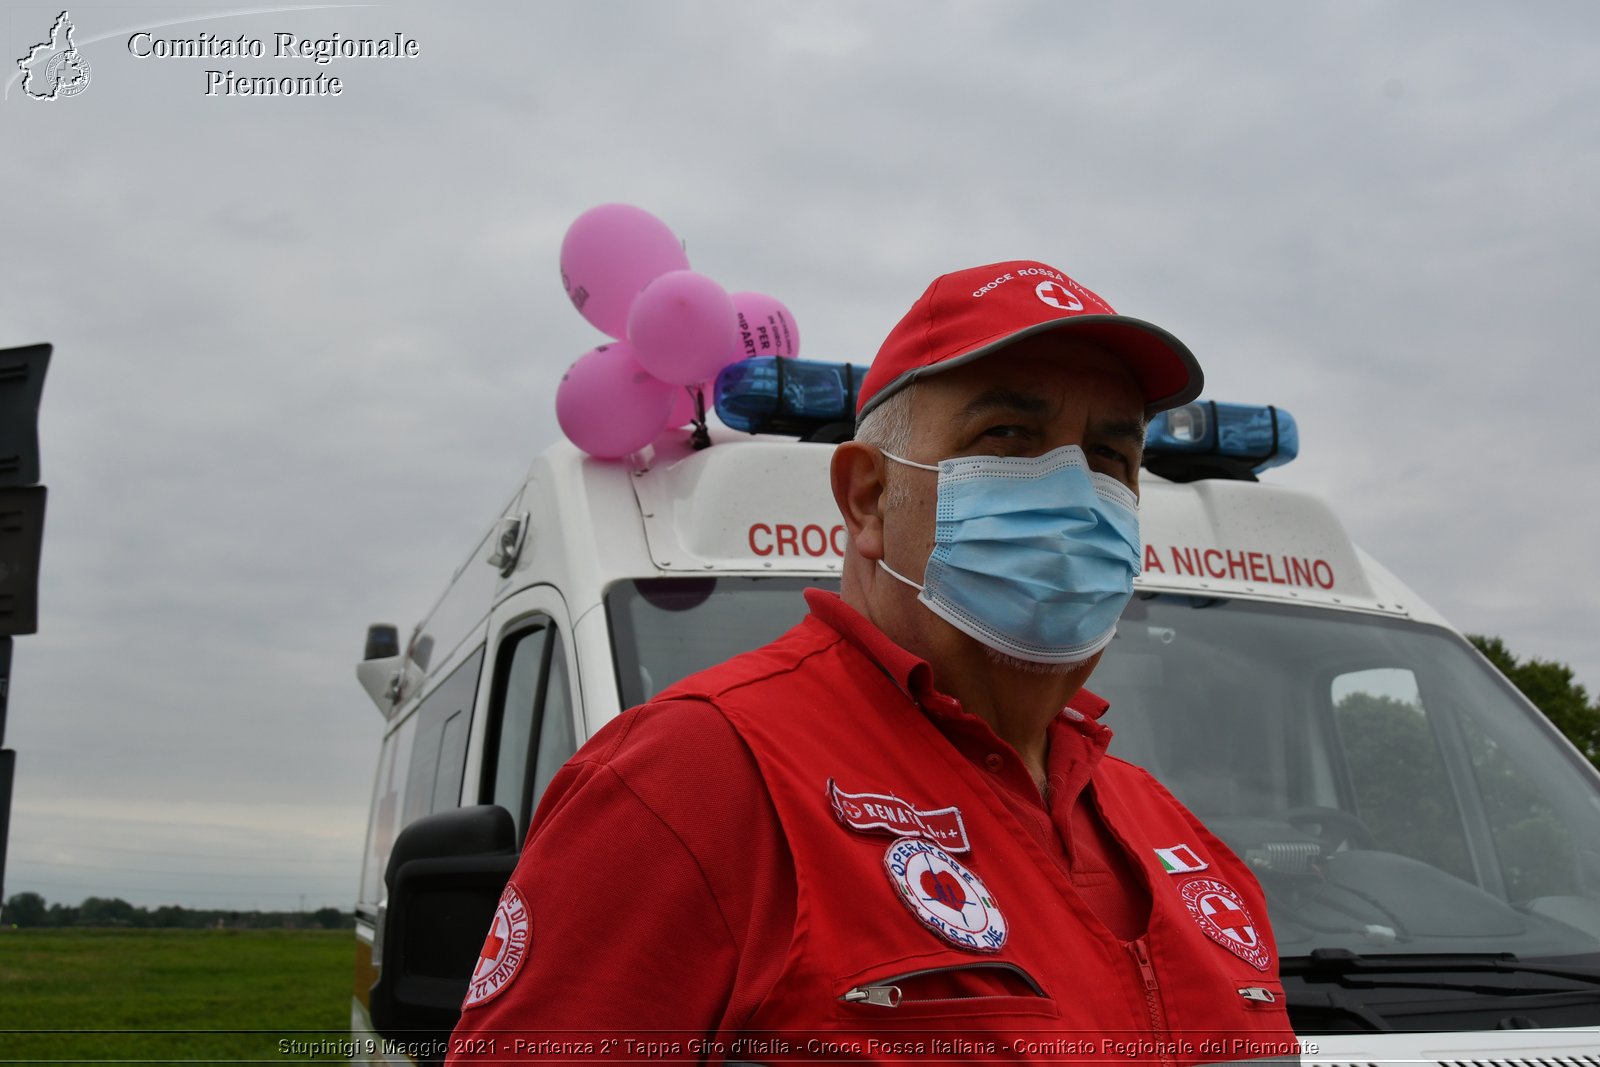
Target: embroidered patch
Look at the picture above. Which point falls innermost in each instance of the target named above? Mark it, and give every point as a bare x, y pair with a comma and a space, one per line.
1180, 859
949, 899
869, 812
503, 950
1223, 917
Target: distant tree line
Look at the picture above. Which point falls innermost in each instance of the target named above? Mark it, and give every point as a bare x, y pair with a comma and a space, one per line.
29, 910
1553, 690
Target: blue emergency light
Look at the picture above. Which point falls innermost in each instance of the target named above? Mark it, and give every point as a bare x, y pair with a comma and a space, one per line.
798, 397
1206, 439
816, 401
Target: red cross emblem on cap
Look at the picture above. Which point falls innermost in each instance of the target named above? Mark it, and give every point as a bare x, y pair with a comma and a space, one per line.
1058, 296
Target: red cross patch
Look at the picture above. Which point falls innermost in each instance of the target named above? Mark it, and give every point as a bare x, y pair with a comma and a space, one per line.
1222, 916
504, 948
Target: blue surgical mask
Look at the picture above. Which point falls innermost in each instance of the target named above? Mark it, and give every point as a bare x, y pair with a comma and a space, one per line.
1033, 556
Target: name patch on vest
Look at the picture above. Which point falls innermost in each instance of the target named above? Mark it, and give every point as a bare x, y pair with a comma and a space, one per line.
871, 812
1222, 916
949, 899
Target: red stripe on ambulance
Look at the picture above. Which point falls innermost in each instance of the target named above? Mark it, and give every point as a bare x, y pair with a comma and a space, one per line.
1238, 565
786, 539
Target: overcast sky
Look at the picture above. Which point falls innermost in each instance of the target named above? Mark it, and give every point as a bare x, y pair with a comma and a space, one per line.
305, 347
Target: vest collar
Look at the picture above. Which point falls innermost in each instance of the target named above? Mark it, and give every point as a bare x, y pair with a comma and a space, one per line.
912, 673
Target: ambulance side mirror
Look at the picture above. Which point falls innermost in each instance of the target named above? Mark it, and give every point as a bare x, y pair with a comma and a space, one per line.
445, 875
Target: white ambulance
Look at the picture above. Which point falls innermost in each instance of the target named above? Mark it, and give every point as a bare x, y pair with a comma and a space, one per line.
1428, 843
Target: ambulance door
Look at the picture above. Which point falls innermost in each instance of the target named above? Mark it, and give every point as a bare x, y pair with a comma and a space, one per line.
531, 721
447, 869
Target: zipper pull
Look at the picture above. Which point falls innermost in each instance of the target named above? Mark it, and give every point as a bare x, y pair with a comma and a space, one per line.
1259, 994
1142, 957
884, 996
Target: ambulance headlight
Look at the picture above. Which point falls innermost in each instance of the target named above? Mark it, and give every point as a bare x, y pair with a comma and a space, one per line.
799, 397
1207, 439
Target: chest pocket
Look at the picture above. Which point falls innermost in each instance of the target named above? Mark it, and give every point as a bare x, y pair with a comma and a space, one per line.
965, 988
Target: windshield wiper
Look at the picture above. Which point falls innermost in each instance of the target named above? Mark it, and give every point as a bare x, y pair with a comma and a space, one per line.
1324, 964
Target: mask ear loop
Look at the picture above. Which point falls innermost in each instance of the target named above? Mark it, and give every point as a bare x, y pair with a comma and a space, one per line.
909, 463
896, 574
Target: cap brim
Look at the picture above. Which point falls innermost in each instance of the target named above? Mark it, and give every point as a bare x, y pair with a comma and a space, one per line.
1167, 371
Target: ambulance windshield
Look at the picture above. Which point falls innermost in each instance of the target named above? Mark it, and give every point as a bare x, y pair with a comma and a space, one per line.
1392, 792
665, 629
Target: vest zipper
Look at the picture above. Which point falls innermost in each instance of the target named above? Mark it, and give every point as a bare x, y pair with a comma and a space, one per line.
1152, 999
885, 994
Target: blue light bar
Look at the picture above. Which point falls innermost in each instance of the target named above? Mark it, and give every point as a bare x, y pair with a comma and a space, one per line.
1249, 436
772, 394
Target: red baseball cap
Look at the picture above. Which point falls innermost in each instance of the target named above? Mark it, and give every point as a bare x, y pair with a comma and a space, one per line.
972, 313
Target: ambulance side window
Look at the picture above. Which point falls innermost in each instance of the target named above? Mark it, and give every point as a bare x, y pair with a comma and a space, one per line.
531, 734
438, 756
387, 793
1402, 786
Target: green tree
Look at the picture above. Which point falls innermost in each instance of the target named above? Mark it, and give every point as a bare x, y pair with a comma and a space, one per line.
26, 909
100, 911
1553, 690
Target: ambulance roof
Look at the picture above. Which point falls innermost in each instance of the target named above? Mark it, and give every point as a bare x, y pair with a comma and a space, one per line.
763, 505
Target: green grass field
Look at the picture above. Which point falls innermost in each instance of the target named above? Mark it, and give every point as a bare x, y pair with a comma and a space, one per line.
173, 996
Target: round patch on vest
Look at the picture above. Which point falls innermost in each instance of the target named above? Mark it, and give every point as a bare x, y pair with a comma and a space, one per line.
503, 950
949, 899
1223, 917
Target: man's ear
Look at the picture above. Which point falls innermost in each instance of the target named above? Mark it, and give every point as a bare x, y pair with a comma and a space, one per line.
859, 489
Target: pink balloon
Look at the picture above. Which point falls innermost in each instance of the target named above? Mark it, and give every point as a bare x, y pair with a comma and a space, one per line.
766, 328
608, 405
683, 327
610, 253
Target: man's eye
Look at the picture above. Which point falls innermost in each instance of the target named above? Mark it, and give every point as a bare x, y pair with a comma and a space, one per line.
1107, 452
1006, 432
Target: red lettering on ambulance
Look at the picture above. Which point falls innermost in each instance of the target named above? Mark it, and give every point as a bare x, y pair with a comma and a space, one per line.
765, 529
822, 540
784, 539
1255, 567
1242, 565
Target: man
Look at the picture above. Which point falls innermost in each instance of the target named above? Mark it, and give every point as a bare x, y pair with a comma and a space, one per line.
896, 825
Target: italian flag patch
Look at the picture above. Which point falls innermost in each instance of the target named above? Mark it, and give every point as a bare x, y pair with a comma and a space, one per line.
1180, 859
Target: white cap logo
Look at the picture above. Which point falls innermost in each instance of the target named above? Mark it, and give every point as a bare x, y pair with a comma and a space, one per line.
1057, 296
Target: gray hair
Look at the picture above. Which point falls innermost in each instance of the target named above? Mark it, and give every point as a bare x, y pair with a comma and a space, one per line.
888, 428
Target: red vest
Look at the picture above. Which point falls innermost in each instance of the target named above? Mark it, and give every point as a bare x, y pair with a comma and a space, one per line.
909, 946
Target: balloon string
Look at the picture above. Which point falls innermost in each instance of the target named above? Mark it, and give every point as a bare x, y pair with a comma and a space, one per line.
701, 438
